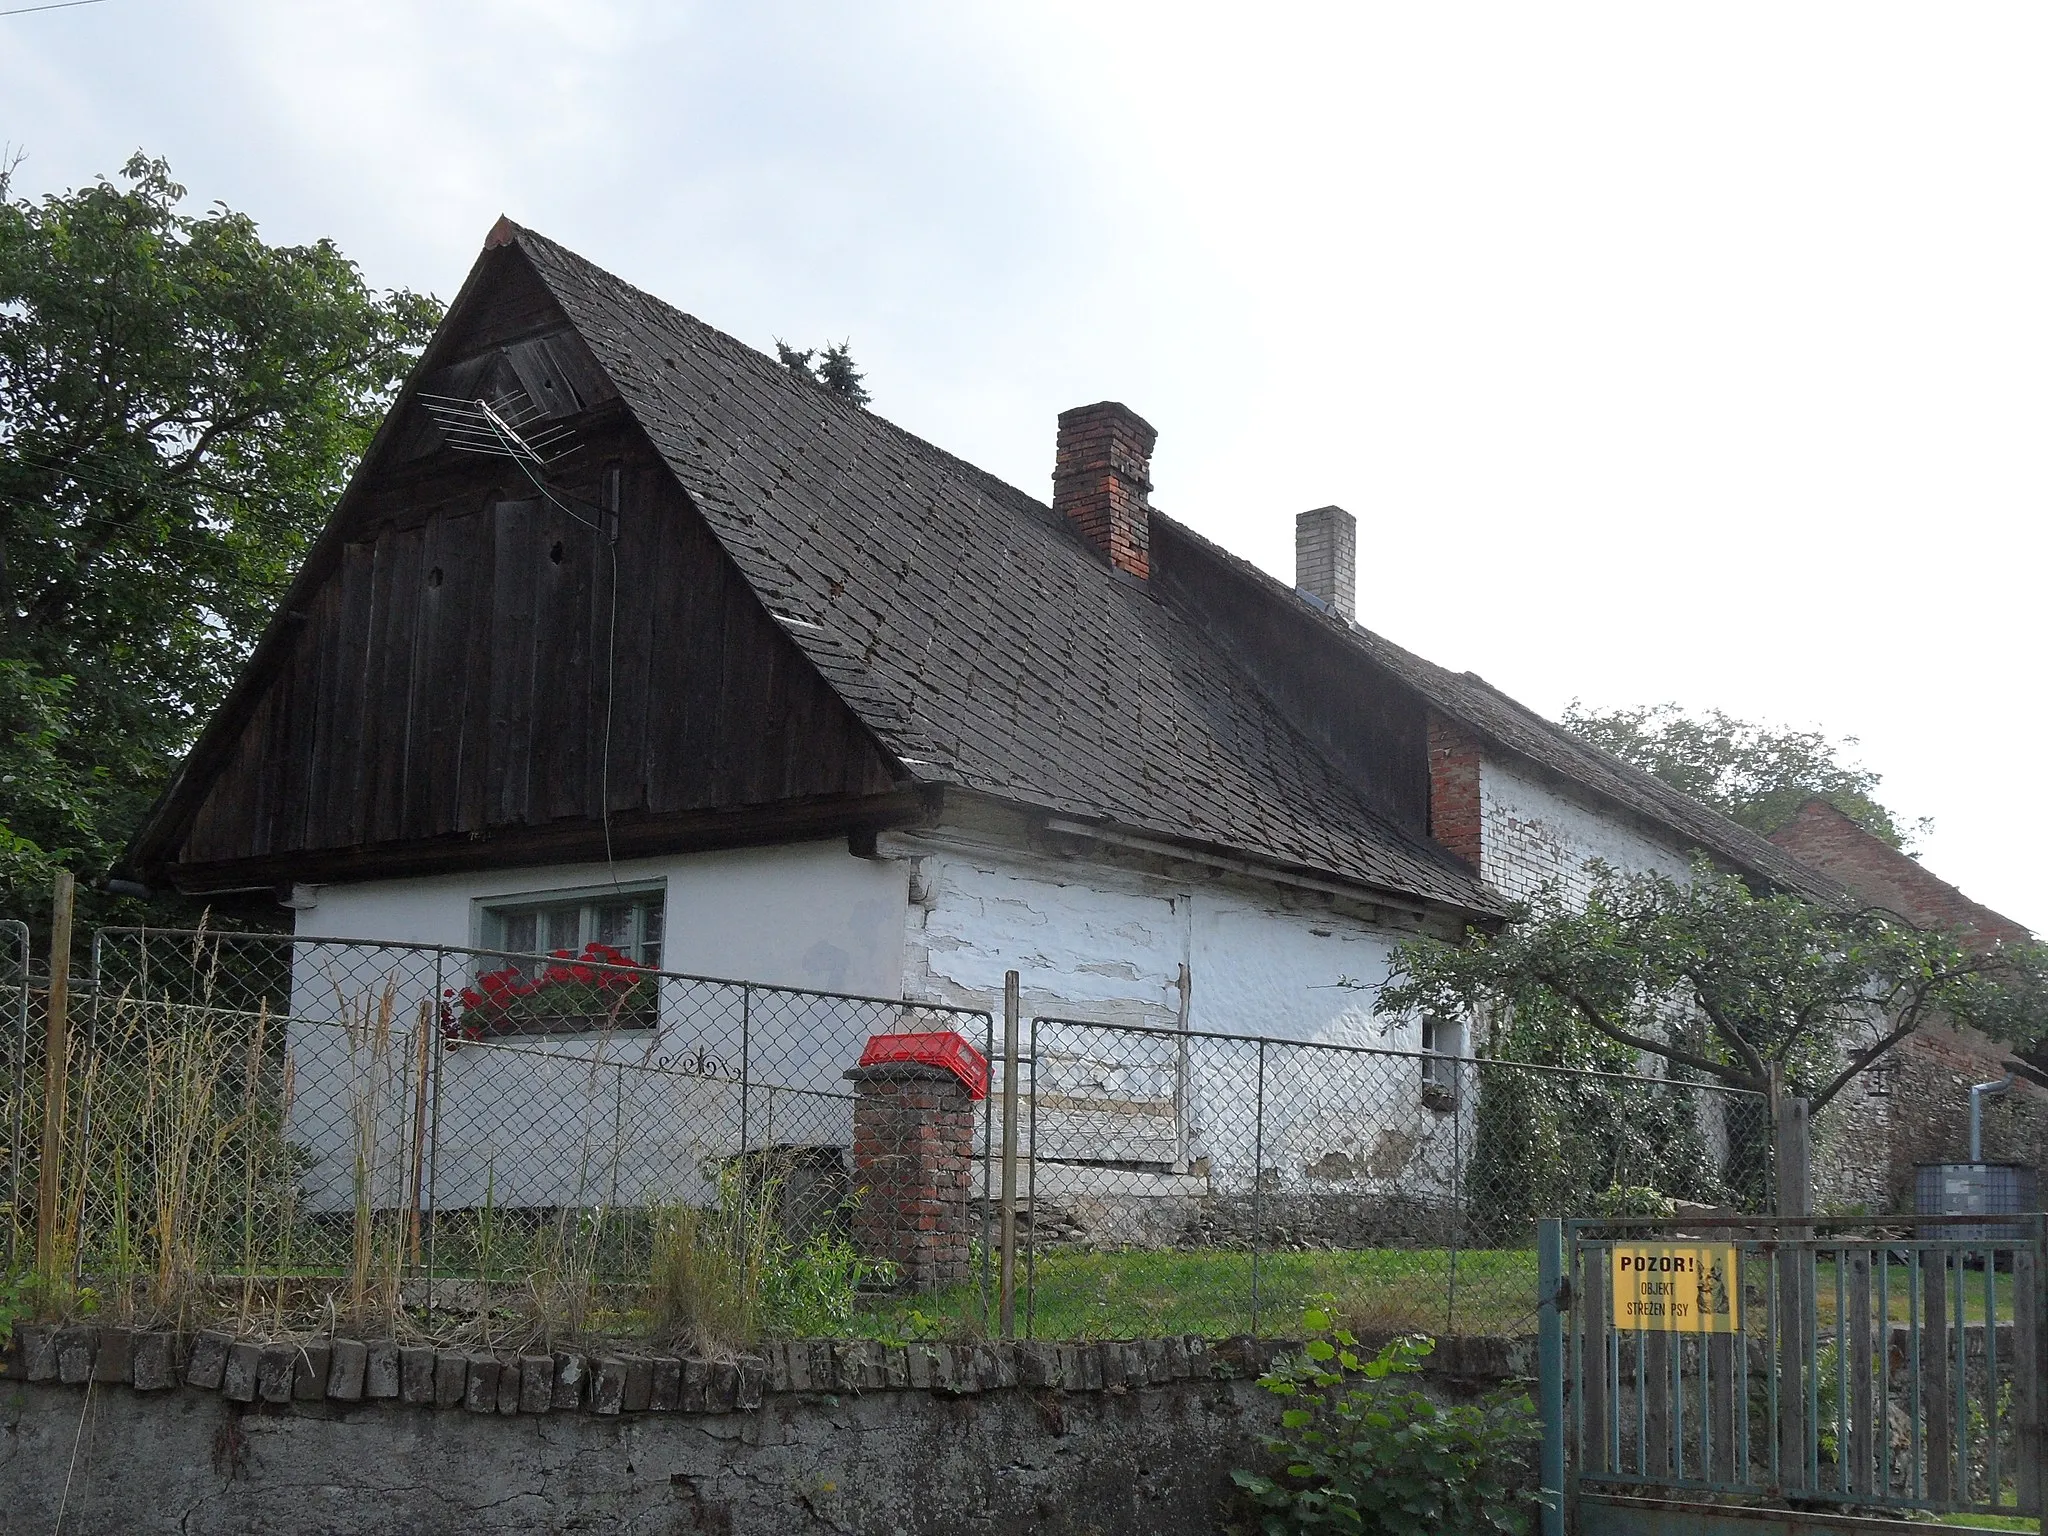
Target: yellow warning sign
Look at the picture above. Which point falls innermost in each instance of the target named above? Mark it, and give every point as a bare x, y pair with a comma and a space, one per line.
1679, 1288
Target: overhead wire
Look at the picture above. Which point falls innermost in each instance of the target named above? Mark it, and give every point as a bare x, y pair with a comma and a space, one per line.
53, 5
106, 480
521, 453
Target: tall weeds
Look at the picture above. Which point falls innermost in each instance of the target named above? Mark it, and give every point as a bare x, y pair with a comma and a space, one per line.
731, 1274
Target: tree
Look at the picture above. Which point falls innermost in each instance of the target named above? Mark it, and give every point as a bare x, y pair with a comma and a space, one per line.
1718, 981
834, 369
1757, 775
180, 405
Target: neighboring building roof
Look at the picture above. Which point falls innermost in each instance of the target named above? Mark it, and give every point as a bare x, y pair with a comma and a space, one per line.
1879, 875
981, 641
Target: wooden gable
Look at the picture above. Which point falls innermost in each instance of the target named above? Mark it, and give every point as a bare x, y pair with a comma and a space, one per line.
470, 672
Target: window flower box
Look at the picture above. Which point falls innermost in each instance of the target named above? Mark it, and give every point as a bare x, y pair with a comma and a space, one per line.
591, 993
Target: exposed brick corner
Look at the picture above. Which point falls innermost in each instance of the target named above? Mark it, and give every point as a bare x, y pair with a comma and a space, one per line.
1454, 814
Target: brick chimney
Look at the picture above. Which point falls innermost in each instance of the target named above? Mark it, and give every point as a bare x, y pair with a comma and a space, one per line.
1102, 480
1326, 558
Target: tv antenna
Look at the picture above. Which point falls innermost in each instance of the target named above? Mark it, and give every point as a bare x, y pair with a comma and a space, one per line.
504, 431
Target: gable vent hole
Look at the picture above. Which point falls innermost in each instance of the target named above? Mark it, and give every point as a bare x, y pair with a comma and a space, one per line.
555, 554
434, 577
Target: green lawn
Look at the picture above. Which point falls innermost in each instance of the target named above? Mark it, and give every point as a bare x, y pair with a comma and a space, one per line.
1898, 1286
1133, 1293
1136, 1293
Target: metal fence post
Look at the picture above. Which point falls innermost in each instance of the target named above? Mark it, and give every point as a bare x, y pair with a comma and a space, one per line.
1031, 1196
1551, 1303
1798, 1370
2033, 1297
1007, 1294
1457, 1194
440, 1052
1258, 1182
56, 1088
746, 1062
988, 1188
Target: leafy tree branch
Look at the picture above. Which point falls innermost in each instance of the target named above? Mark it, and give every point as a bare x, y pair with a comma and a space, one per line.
1715, 979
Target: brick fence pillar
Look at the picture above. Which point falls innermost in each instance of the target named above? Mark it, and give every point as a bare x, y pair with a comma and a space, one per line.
913, 1148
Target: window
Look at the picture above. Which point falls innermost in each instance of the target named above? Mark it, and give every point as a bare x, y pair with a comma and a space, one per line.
1443, 1042
628, 920
572, 984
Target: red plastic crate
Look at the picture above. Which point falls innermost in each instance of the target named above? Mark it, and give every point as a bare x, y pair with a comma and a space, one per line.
938, 1048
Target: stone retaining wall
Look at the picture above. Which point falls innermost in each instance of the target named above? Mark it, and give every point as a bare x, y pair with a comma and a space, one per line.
146, 1432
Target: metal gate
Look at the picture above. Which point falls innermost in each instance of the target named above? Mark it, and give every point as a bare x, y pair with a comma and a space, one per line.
1792, 1375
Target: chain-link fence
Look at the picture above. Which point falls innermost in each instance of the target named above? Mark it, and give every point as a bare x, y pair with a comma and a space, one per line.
292, 1129
1226, 1179
304, 1125
23, 1123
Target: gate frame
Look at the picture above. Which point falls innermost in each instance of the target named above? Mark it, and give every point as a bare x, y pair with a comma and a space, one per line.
1683, 1508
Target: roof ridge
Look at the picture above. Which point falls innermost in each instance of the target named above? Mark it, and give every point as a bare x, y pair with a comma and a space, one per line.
775, 368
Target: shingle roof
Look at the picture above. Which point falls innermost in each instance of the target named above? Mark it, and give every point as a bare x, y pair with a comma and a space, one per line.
1485, 709
1515, 728
980, 640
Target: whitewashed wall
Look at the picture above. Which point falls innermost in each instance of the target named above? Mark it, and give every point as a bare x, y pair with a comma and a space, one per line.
1532, 833
804, 915
628, 1116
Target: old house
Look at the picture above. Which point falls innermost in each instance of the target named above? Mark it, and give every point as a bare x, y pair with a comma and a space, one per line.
747, 682
1916, 1106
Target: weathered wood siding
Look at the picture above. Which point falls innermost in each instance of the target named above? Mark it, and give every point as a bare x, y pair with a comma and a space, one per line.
473, 659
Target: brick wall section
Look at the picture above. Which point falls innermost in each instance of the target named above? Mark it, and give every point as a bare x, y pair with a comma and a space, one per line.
913, 1149
1823, 837
1455, 818
1102, 481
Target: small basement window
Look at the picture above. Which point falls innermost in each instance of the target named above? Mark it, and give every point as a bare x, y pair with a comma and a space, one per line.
1443, 1042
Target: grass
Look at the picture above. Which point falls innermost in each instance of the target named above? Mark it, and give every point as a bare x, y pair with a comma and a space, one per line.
1898, 1306
1135, 1293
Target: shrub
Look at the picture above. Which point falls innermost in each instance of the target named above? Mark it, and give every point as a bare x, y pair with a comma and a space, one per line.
1620, 1200
1361, 1449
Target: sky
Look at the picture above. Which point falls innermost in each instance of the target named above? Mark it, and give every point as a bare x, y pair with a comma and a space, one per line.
1686, 353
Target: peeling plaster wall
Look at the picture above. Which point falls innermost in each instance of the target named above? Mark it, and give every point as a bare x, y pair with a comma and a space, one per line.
1103, 944
1092, 941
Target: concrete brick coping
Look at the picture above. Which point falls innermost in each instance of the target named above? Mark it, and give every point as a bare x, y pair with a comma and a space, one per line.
479, 1381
